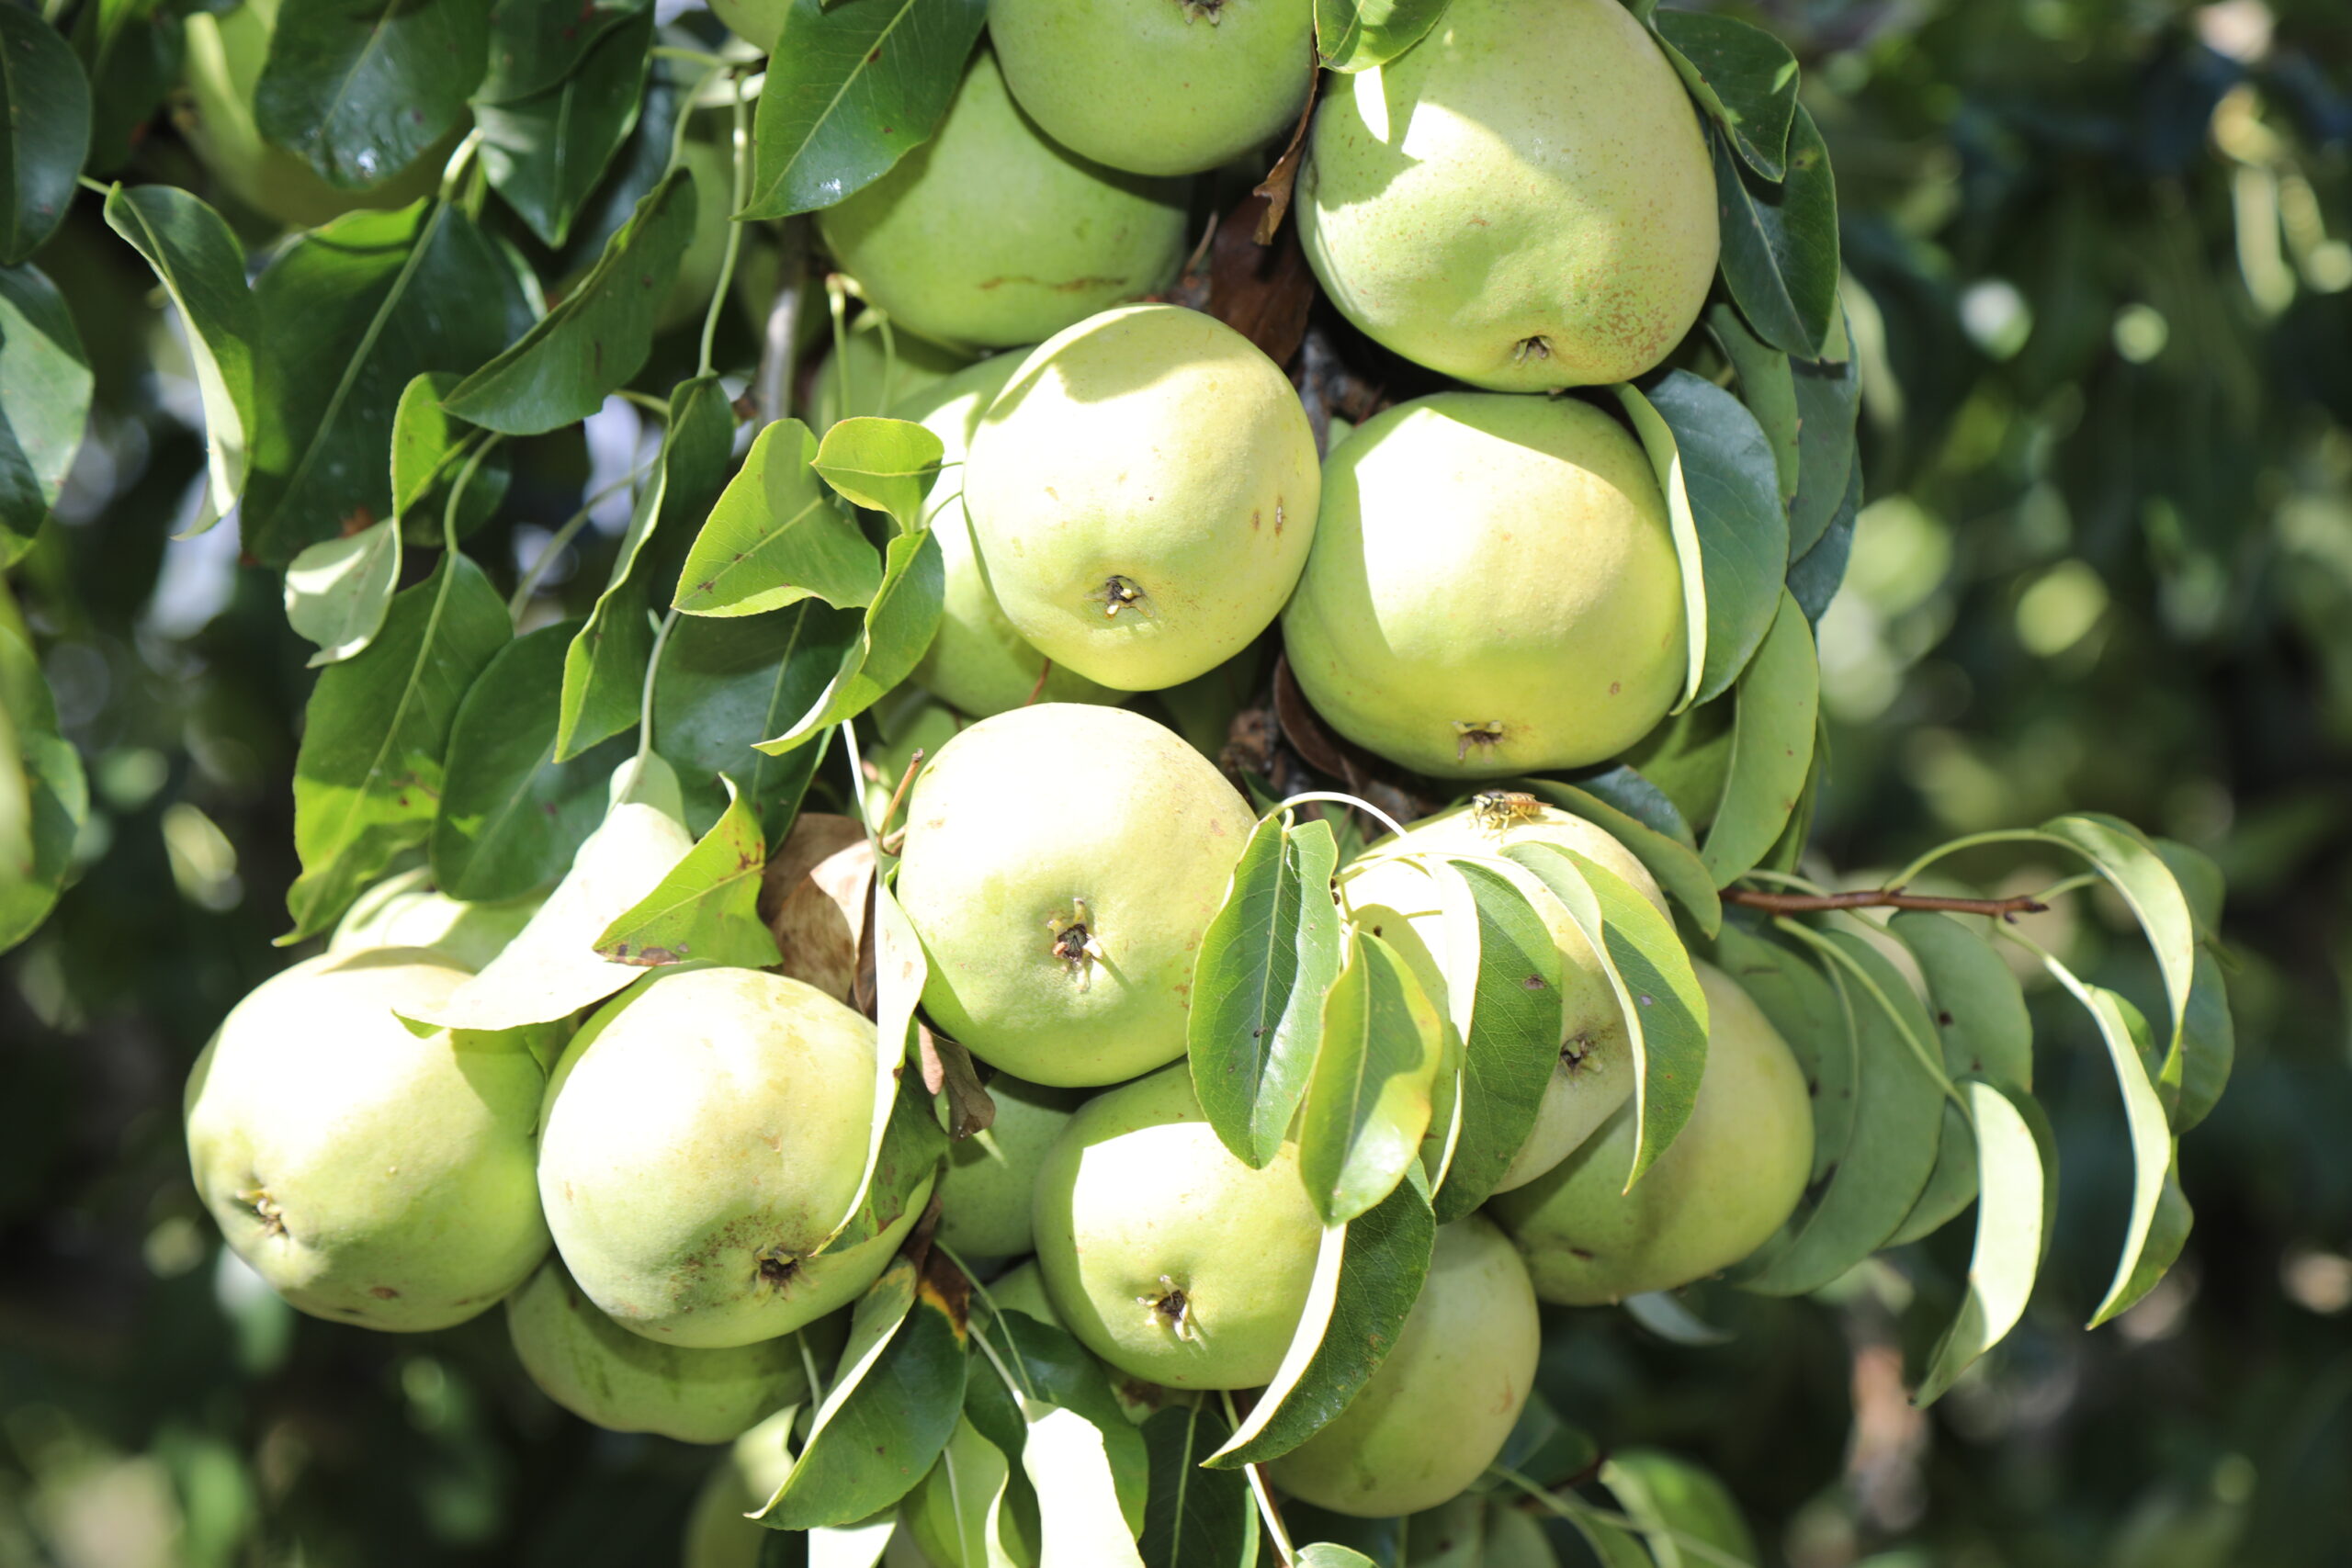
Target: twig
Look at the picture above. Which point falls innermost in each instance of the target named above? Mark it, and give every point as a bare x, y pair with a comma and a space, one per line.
1881, 898
1044, 670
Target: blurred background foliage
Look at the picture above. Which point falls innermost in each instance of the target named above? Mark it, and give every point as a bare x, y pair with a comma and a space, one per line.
2100, 257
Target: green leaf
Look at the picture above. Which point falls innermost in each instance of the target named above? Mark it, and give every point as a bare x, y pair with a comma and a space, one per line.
898, 628
1077, 1506
776, 538
706, 909
545, 154
430, 450
44, 797
1808, 1011
1367, 1276
1657, 991
1196, 1518
1368, 1099
1356, 35
1681, 1509
1675, 863
535, 46
1323, 1554
362, 88
883, 465
349, 314
893, 1405
2200, 1070
2134, 868
1265, 962
1980, 1007
511, 816
560, 372
368, 778
1053, 1366
1771, 749
1830, 402
1768, 386
1814, 577
852, 89
1780, 241
45, 384
723, 682
336, 593
1630, 792
604, 671
2201, 884
1730, 533
1951, 1186
2013, 1199
45, 111
1744, 78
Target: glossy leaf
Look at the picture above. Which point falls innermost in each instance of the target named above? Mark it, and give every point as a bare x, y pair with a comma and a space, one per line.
45, 384
367, 779
776, 537
1356, 35
1815, 576
1052, 1366
1768, 386
2011, 1205
1077, 1507
1368, 1097
1196, 1517
898, 628
337, 592
2131, 865
883, 465
1829, 401
1689, 1518
535, 47
2196, 1074
432, 451
705, 909
723, 682
45, 108
1980, 1007
44, 797
361, 89
852, 89
1632, 794
1780, 241
1674, 864
1266, 960
1771, 749
545, 154
1744, 78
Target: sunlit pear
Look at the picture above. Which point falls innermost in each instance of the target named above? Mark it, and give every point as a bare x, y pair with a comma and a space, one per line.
1165, 1255
705, 1132
1523, 200
406, 911
985, 1194
1144, 493
878, 366
1719, 1192
372, 1177
1060, 865
989, 234
1493, 588
1201, 82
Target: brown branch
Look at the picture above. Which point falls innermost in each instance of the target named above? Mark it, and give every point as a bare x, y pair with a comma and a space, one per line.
1881, 898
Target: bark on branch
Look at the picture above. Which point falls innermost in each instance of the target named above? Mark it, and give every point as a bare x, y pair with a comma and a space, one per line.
1881, 898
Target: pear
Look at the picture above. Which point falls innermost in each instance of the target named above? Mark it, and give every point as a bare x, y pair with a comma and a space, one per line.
758, 23
991, 235
718, 1535
1435, 1414
1493, 588
369, 1176
978, 663
985, 1195
877, 365
1165, 1255
1144, 494
703, 1133
1523, 200
1201, 82
1060, 865
1595, 1075
1717, 1194
405, 911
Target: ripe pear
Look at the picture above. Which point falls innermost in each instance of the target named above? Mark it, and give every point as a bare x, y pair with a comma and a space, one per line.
625, 1382
1493, 588
978, 663
988, 235
1595, 1075
1060, 865
1144, 493
717, 1533
372, 1177
1165, 1255
405, 911
1435, 1414
986, 1193
947, 1512
1201, 82
703, 1133
1523, 200
1718, 1193
878, 366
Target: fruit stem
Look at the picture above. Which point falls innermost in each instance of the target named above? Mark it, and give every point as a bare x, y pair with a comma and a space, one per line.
742, 147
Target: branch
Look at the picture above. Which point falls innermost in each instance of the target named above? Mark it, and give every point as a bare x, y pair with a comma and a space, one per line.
1881, 898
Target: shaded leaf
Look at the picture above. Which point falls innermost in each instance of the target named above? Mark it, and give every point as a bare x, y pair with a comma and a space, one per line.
776, 538
1368, 1097
706, 908
546, 153
1809, 1012
1744, 78
1815, 576
1663, 1313
1780, 241
45, 384
1675, 863
723, 682
361, 89
336, 593
1680, 1508
898, 628
44, 797
1196, 1518
2014, 1188
2200, 1070
1830, 402
1980, 1007
535, 46
45, 111
1768, 386
1771, 749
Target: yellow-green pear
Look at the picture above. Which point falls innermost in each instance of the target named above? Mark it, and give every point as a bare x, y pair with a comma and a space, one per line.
1717, 1194
1493, 588
985, 1194
1144, 493
1060, 865
989, 234
978, 663
372, 1177
1165, 1255
703, 1133
1200, 83
406, 911
1435, 1414
1515, 1540
626, 1382
719, 1533
875, 366
1523, 200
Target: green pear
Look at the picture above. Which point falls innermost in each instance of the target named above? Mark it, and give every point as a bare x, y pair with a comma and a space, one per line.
1452, 1535
372, 1177
1165, 1255
947, 1512
878, 366
1144, 493
1060, 865
1595, 1075
1200, 82
718, 1534
978, 663
989, 234
1435, 1414
1523, 200
1493, 588
626, 1382
405, 911
757, 22
1718, 1193
703, 1133
985, 1195
1515, 1540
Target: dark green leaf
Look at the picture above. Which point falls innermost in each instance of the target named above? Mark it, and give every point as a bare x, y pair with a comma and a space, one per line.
724, 682
2010, 1208
1768, 386
1195, 1517
337, 592
706, 908
2199, 1071
1809, 1012
1814, 577
1780, 241
43, 795
546, 153
1675, 863
361, 89
45, 385
897, 628
1951, 1186
1356, 35
2201, 884
1771, 749
883, 465
1980, 1006
1368, 1099
1829, 401
535, 46
777, 536
1744, 78
45, 113
1053, 1367
133, 51
1629, 792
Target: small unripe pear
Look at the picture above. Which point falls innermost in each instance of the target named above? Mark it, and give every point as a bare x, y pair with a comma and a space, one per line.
372, 1177
717, 1533
986, 1192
